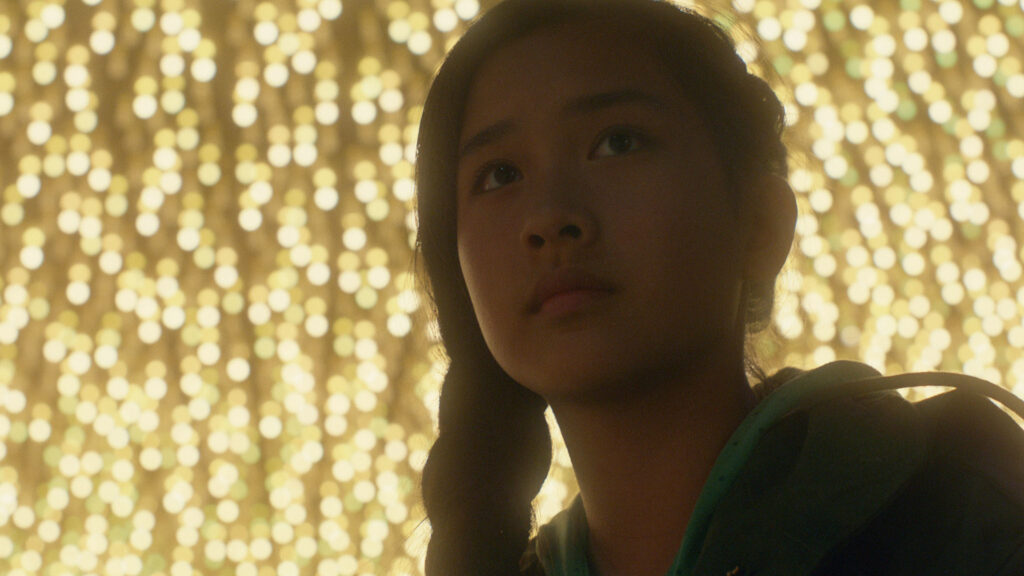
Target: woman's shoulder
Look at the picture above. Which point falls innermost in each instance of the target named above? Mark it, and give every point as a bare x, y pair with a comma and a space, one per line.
559, 546
969, 426
530, 564
961, 511
854, 479
846, 477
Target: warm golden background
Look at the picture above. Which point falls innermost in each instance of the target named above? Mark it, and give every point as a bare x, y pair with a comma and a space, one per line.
212, 356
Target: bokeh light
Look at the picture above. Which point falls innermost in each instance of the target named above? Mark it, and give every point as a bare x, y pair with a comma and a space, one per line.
213, 355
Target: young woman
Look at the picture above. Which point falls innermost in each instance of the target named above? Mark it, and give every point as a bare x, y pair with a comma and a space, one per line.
603, 212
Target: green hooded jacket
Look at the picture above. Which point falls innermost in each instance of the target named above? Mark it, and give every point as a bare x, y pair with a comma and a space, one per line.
836, 474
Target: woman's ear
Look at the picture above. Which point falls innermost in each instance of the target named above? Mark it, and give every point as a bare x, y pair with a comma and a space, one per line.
769, 216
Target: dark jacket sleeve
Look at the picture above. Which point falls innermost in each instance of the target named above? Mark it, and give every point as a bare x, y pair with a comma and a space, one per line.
962, 513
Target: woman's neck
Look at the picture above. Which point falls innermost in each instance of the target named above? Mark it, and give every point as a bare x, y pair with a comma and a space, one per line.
642, 460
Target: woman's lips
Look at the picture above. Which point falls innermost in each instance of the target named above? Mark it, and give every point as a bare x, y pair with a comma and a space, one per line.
567, 289
571, 301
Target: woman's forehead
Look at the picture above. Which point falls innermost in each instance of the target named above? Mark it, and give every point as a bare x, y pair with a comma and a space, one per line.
557, 66
589, 48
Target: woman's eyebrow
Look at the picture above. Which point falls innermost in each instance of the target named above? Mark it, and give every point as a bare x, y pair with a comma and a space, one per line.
602, 100
488, 135
587, 103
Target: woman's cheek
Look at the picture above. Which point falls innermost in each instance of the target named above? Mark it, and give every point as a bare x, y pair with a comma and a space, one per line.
480, 259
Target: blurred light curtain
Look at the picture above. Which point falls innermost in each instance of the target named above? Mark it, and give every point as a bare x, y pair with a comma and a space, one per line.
213, 356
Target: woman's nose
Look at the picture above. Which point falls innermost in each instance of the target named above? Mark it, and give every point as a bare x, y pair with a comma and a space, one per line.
551, 227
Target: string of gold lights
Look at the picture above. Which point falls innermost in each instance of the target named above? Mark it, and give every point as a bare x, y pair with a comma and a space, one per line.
213, 355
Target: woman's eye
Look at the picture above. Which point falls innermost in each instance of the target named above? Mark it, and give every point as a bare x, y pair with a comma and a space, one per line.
616, 143
498, 175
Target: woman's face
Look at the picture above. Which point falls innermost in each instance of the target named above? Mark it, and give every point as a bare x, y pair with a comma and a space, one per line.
599, 241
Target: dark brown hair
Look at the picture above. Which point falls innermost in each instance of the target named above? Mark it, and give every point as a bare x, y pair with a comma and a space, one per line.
493, 450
